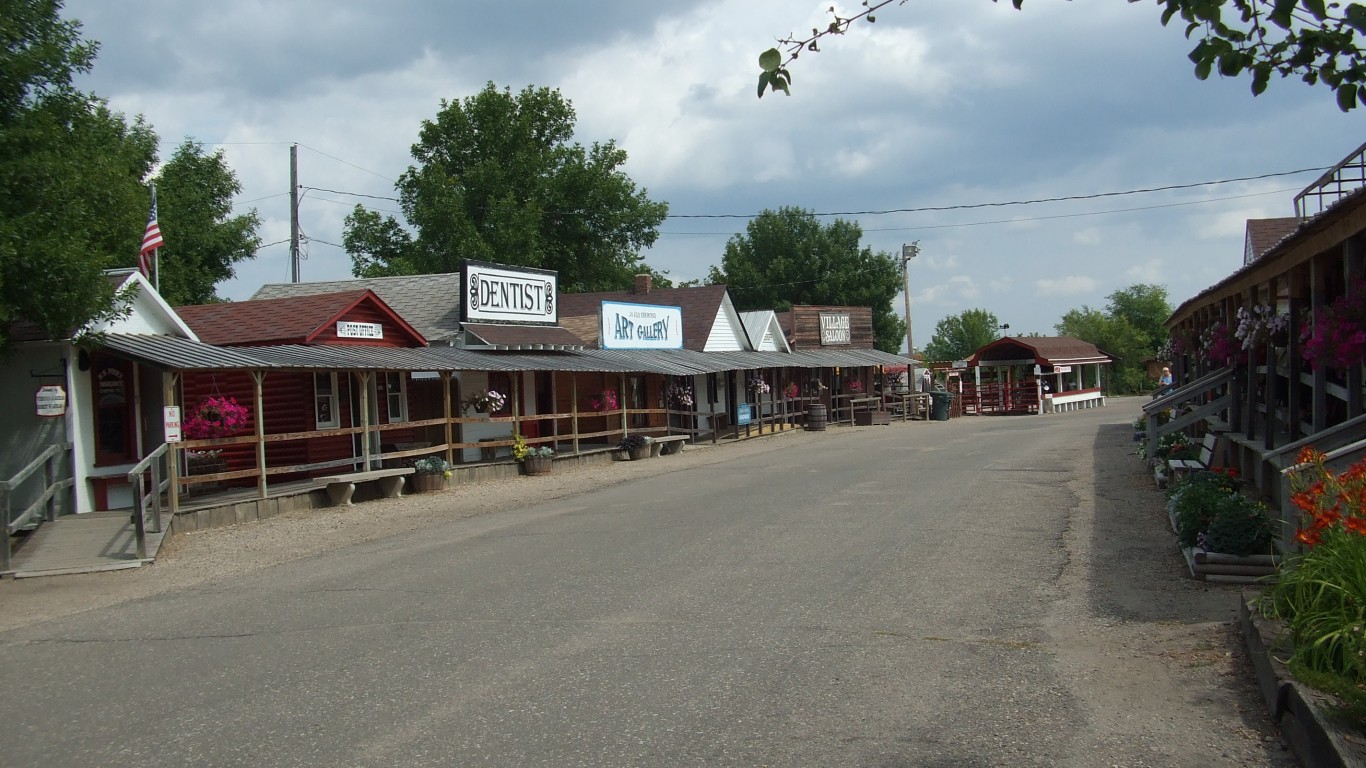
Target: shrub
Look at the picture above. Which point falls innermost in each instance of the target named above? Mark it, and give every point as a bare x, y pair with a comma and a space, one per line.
432, 465
1321, 593
631, 442
1242, 530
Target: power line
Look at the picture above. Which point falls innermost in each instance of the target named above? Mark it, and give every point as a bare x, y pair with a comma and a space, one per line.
352, 194
347, 162
966, 206
958, 207
1032, 218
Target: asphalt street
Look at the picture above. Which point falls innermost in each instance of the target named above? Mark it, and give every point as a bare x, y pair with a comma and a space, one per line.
987, 591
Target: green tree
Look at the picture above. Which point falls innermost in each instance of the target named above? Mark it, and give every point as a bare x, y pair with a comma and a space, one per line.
498, 179
1146, 309
1129, 330
787, 257
1309, 39
956, 337
71, 171
203, 239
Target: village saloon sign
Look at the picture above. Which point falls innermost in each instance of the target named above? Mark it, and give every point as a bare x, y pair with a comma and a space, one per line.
835, 328
497, 293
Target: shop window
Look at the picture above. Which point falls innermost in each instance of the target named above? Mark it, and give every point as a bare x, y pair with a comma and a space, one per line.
325, 401
396, 390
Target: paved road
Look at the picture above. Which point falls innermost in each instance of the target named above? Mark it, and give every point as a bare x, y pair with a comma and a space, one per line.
981, 592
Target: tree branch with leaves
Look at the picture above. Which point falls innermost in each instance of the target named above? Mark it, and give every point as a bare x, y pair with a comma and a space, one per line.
1314, 40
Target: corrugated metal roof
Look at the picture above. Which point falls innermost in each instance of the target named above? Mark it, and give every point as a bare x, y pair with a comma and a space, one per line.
182, 354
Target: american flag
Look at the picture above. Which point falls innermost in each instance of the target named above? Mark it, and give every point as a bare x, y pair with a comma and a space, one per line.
151, 240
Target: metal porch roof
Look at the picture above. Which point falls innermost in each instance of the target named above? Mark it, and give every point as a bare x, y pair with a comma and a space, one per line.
183, 354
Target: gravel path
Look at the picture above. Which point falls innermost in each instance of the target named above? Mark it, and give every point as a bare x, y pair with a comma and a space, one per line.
204, 556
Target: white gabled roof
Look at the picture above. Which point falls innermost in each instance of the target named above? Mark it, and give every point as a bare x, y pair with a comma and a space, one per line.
765, 333
150, 314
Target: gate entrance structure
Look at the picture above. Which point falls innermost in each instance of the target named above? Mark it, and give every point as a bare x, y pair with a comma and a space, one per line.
1034, 374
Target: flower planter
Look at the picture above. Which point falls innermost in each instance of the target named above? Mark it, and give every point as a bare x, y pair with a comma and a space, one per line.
537, 465
424, 483
1229, 569
642, 452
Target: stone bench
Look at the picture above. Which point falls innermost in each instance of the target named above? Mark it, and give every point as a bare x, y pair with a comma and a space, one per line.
341, 487
667, 445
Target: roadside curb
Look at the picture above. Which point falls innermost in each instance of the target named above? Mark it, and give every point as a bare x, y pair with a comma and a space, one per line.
1299, 711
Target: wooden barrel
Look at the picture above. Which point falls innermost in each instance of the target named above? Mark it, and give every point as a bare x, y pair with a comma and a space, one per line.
816, 417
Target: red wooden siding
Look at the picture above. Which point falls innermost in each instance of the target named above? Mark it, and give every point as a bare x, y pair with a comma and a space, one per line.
366, 312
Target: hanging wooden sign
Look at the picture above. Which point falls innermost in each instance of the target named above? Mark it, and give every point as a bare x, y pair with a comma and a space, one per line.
51, 400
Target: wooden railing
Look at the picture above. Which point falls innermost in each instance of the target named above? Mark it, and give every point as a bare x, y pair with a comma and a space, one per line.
155, 464
44, 507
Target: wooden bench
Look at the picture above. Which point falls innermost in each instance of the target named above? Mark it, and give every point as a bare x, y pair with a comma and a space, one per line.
341, 487
667, 445
1204, 460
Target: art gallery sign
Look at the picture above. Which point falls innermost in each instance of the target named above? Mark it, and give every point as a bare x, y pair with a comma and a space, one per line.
496, 293
640, 326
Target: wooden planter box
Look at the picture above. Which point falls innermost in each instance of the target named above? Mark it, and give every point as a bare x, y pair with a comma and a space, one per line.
869, 418
426, 483
537, 465
643, 452
1230, 569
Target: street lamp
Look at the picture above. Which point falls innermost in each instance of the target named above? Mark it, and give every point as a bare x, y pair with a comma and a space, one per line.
908, 252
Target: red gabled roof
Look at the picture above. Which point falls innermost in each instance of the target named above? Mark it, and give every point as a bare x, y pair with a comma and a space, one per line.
699, 305
1263, 235
1044, 350
292, 320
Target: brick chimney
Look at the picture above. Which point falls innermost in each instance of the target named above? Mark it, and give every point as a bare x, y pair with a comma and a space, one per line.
642, 285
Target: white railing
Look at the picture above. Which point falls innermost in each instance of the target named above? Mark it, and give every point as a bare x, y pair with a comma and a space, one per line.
44, 507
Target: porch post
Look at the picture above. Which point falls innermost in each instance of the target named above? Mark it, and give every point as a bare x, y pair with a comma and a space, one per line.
446, 411
621, 401
364, 377
574, 410
258, 379
516, 402
555, 408
168, 383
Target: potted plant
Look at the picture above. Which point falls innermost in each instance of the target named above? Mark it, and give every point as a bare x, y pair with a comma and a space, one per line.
605, 400
216, 417
487, 401
1222, 532
1140, 429
430, 473
636, 446
758, 387
534, 460
680, 396
1318, 592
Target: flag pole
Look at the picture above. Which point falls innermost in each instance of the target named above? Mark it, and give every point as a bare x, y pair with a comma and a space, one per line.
156, 252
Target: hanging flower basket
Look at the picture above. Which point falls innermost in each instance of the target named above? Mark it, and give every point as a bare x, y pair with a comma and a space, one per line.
488, 401
216, 417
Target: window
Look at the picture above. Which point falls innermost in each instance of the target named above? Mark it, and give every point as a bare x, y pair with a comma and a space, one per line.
396, 391
325, 400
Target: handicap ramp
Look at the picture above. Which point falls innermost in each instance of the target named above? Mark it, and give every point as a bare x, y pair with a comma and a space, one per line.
86, 543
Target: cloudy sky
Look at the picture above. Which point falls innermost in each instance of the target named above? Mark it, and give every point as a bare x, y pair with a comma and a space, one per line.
955, 105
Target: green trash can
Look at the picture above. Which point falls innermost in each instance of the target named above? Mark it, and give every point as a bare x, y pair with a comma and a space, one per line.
939, 402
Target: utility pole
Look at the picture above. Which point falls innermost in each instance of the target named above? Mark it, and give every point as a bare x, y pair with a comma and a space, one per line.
908, 252
294, 213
